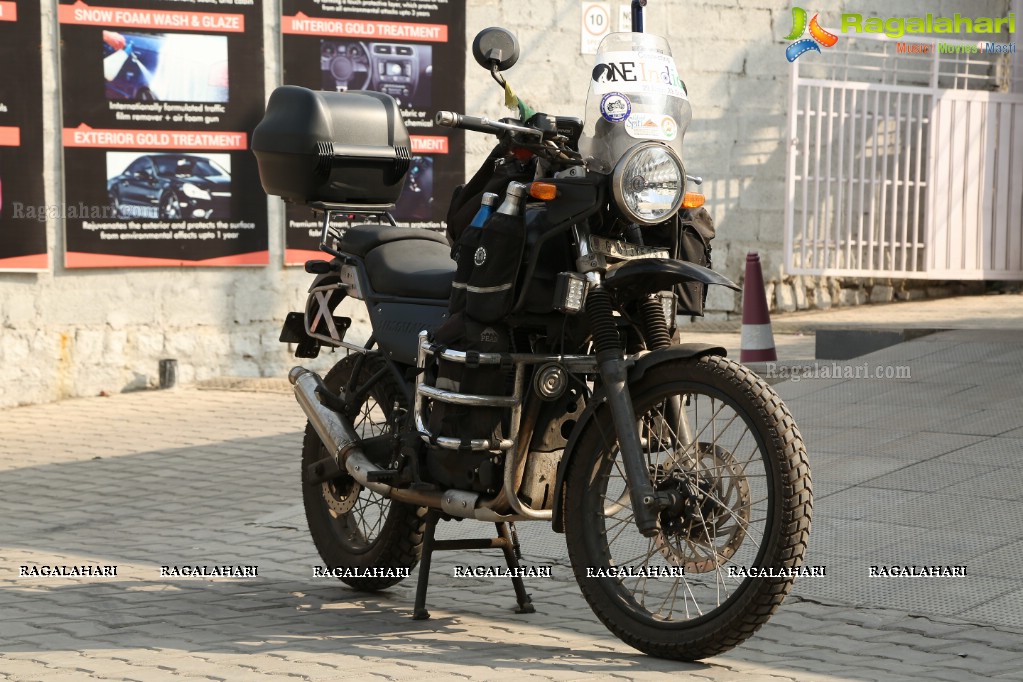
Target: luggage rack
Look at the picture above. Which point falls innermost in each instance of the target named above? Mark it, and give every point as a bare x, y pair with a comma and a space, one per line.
331, 235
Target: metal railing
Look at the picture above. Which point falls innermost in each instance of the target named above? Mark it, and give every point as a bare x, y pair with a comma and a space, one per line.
905, 160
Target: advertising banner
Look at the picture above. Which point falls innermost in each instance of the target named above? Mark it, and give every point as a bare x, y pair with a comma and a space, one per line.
23, 212
159, 97
413, 51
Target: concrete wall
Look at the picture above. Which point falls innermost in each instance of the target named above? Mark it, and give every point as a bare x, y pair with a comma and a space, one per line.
71, 333
77, 333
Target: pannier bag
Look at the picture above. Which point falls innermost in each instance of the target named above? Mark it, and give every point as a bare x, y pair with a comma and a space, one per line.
694, 246
687, 238
461, 421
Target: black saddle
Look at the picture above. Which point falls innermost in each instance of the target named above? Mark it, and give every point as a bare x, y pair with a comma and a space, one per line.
359, 240
409, 262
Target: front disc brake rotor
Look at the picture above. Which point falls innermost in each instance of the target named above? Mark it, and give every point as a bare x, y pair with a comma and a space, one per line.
340, 495
715, 514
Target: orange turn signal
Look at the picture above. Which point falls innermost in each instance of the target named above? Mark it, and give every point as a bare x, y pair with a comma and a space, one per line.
693, 200
544, 191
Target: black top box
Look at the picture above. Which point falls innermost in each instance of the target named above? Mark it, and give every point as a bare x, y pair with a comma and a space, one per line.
332, 147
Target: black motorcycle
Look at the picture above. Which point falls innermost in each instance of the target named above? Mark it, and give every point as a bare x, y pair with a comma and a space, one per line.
526, 366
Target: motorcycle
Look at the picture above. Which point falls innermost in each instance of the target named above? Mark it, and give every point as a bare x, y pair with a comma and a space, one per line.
527, 366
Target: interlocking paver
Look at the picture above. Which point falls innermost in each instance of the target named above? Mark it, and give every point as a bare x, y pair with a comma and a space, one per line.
186, 476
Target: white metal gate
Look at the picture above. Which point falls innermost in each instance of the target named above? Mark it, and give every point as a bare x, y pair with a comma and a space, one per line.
904, 164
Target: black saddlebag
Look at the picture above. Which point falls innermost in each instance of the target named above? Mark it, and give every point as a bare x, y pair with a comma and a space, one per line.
463, 468
687, 238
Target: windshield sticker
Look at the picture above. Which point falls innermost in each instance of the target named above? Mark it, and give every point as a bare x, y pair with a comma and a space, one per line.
637, 73
651, 127
615, 107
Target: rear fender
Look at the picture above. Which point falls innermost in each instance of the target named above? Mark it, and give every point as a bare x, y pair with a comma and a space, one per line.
586, 421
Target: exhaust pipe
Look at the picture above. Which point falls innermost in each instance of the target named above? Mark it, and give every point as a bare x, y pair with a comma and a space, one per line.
336, 432
338, 435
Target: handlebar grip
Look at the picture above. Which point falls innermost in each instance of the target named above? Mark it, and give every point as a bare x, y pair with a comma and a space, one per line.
450, 119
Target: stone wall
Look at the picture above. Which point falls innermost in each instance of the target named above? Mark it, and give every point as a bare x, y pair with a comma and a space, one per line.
78, 333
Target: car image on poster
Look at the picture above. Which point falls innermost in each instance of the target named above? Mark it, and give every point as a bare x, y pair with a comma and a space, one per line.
159, 97
394, 48
169, 186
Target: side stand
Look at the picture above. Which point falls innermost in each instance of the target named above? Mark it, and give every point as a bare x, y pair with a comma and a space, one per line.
507, 541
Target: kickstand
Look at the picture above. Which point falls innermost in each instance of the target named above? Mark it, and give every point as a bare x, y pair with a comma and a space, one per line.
507, 541
512, 554
419, 611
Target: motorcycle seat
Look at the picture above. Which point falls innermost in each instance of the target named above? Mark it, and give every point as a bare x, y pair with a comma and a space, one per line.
359, 240
415, 268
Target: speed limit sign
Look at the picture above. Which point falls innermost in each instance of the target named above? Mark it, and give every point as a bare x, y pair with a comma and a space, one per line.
596, 19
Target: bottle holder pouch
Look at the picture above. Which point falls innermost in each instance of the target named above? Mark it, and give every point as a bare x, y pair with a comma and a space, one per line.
493, 176
496, 262
463, 253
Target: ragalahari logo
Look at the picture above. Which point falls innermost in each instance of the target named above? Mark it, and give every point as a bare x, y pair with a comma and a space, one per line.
817, 35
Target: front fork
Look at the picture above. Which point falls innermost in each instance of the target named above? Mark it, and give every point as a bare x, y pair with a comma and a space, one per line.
615, 378
646, 502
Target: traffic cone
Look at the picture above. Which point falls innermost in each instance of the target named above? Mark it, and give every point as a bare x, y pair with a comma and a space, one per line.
757, 344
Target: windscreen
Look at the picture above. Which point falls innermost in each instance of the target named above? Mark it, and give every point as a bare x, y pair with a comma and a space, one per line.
635, 95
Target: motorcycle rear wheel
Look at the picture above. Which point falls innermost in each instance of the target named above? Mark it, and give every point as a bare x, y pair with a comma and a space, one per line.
353, 527
746, 482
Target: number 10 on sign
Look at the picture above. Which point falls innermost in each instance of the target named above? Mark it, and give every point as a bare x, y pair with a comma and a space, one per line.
596, 17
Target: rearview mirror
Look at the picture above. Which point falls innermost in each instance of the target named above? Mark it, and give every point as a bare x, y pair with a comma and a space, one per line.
495, 47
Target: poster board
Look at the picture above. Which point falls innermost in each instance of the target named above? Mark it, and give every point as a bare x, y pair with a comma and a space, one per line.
23, 210
414, 51
159, 98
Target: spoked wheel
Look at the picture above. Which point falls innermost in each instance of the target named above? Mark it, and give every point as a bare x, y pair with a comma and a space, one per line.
743, 500
352, 527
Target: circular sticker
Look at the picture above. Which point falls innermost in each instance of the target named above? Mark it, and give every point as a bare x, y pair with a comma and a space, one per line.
669, 128
615, 107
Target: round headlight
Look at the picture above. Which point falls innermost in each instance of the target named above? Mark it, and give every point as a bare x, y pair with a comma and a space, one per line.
649, 183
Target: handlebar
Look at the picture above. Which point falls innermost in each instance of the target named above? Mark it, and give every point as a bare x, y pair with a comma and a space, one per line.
450, 119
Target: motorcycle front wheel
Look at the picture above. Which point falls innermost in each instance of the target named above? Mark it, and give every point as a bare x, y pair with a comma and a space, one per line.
352, 527
723, 443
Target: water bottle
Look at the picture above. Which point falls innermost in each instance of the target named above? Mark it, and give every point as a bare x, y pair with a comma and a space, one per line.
512, 204
486, 208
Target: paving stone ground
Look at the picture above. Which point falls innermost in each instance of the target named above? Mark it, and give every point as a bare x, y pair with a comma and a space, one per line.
928, 473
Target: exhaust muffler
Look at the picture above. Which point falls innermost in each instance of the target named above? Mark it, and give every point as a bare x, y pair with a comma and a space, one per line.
336, 432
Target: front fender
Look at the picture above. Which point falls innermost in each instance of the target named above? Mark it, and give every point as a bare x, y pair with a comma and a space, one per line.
646, 275
643, 364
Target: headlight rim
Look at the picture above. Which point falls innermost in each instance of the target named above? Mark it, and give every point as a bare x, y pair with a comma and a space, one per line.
618, 182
